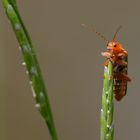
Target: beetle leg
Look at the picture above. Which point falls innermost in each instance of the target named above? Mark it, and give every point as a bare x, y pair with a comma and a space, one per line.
122, 54
108, 55
121, 76
106, 62
121, 62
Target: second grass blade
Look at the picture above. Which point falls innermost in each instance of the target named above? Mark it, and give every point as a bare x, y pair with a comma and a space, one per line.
32, 65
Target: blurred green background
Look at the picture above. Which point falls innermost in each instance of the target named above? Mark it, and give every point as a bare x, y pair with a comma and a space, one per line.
72, 67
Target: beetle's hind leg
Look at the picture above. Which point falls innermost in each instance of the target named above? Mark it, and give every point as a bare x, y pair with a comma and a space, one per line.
121, 76
121, 62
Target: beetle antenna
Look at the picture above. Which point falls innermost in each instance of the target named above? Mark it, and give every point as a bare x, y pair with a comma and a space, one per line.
115, 34
94, 30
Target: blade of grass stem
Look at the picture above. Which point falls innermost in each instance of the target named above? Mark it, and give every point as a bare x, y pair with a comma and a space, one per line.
107, 126
30, 60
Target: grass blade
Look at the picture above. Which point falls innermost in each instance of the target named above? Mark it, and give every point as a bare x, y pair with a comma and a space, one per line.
30, 60
107, 126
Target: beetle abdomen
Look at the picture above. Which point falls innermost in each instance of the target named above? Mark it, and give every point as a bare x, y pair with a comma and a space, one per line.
120, 87
120, 81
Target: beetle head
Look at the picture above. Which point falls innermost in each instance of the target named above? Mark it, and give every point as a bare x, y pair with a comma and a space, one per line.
115, 47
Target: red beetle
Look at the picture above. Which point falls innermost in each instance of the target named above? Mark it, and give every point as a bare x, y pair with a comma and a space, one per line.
119, 58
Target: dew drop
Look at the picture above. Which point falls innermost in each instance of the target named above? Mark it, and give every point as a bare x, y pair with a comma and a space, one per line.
17, 26
33, 70
107, 101
107, 126
107, 135
27, 72
37, 105
26, 48
19, 48
30, 82
23, 63
33, 91
105, 69
106, 92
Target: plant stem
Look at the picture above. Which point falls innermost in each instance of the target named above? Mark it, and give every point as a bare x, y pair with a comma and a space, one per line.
107, 126
32, 65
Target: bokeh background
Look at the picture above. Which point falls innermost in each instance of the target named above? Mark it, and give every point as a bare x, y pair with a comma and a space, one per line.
72, 67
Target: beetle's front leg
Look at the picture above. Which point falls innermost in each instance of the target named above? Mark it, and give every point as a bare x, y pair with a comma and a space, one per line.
108, 56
